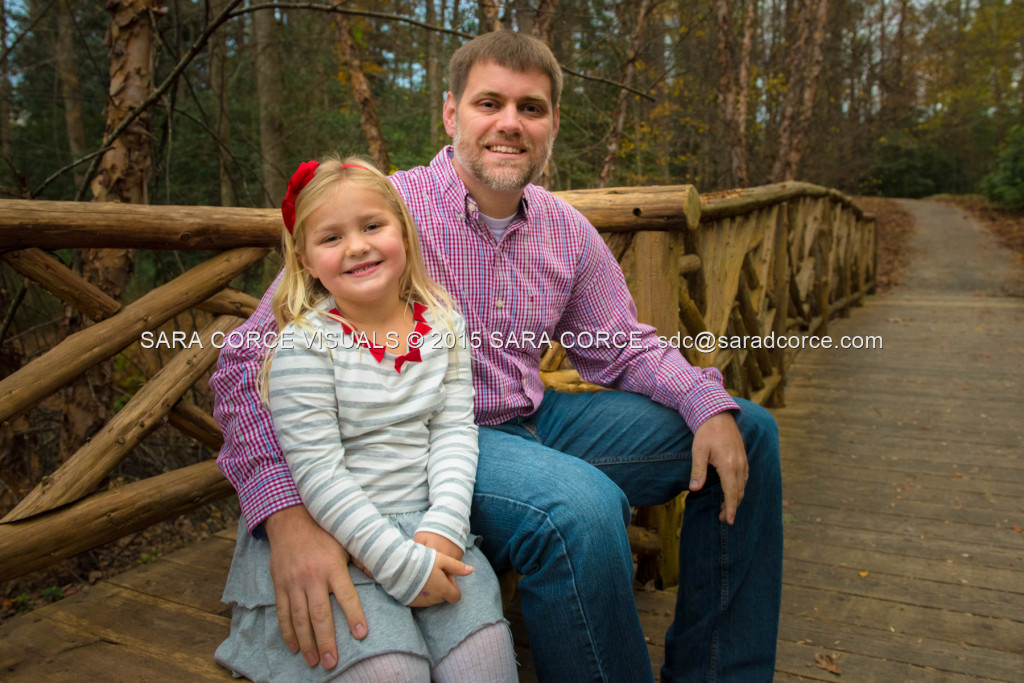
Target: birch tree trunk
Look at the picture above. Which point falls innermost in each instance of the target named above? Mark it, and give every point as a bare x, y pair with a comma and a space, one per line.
270, 94
619, 113
364, 96
222, 124
70, 88
122, 177
804, 69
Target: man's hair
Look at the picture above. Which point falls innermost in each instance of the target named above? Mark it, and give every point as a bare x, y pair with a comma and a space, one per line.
511, 50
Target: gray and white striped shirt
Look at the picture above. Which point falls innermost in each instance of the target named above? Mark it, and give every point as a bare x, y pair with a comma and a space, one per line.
364, 441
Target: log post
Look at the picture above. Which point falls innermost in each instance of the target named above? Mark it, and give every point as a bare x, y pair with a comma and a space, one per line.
780, 286
656, 293
193, 422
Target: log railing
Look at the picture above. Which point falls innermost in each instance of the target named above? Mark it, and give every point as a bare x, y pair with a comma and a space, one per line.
781, 259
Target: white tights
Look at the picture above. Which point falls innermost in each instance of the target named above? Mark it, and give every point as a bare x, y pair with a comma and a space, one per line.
486, 655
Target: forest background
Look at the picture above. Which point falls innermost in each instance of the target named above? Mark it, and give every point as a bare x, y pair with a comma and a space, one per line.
215, 102
895, 97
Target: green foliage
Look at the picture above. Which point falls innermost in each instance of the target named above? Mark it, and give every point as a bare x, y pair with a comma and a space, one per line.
38, 131
53, 593
22, 603
1005, 185
911, 99
905, 167
148, 558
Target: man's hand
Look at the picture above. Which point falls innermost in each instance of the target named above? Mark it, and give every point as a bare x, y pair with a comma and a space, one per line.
718, 443
306, 564
438, 543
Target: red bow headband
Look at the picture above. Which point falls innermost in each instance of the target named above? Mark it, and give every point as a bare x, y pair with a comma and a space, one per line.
299, 180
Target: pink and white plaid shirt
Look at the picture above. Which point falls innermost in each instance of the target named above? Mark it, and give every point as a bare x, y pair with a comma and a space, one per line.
550, 277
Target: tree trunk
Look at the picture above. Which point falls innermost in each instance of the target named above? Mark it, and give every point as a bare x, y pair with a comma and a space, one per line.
364, 96
525, 15
434, 76
270, 95
794, 61
619, 113
734, 92
489, 14
221, 122
122, 177
70, 89
545, 20
804, 68
739, 152
541, 28
5, 89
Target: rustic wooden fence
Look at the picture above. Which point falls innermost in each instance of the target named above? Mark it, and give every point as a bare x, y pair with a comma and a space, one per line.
780, 259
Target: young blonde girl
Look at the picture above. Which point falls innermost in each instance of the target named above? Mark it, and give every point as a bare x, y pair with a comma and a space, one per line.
373, 408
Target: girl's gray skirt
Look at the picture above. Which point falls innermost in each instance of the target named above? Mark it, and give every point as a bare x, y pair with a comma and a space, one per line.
256, 651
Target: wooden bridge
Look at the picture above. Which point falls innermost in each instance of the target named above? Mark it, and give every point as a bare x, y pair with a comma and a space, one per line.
892, 571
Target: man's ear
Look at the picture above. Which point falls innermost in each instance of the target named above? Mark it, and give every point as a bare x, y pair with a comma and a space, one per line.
448, 114
554, 129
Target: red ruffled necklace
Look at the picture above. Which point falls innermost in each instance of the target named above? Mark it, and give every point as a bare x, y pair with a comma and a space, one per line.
412, 354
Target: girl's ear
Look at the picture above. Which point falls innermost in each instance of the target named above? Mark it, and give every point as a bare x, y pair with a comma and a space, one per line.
306, 266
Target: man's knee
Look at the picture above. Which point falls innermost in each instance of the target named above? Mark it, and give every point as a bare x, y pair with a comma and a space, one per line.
761, 437
586, 517
758, 427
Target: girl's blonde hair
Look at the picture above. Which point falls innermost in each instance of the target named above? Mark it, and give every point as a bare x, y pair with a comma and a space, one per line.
298, 292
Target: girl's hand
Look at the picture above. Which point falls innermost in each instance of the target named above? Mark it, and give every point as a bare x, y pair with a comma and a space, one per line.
361, 567
438, 543
441, 586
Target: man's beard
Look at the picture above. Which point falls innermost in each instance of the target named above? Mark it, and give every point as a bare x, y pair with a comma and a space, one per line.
514, 178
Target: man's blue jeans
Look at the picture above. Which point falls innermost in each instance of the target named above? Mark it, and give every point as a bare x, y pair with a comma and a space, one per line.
552, 502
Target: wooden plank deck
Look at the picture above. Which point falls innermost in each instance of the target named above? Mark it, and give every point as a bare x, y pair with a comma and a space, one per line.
903, 476
903, 479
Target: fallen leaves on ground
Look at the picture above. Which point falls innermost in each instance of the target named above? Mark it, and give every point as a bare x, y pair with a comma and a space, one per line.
895, 226
827, 662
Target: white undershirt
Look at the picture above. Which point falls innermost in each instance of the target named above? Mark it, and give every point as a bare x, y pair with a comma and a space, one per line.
497, 226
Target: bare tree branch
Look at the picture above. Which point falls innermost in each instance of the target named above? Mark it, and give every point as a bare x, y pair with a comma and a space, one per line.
58, 173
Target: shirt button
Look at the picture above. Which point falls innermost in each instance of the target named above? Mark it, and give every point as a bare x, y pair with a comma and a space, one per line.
498, 303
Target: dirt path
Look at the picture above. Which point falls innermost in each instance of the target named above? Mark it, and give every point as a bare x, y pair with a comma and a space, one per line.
952, 254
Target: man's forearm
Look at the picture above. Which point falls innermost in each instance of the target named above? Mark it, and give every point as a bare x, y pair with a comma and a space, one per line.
251, 458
